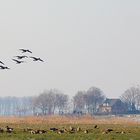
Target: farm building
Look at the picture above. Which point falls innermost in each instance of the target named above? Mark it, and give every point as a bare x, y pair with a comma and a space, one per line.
112, 106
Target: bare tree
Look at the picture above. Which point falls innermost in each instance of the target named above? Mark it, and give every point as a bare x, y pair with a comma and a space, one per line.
10, 106
61, 102
131, 97
94, 97
40, 102
79, 101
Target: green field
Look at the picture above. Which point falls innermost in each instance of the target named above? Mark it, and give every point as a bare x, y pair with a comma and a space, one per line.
123, 128
130, 132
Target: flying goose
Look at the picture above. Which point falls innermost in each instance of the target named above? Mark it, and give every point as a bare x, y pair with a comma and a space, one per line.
3, 67
20, 57
25, 50
17, 61
37, 59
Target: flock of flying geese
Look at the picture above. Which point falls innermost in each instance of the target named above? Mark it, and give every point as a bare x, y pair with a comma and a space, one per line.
19, 59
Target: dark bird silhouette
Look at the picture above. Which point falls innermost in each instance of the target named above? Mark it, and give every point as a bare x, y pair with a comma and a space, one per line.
20, 57
109, 129
9, 130
54, 129
60, 131
17, 61
36, 59
95, 126
1, 62
40, 131
25, 50
3, 67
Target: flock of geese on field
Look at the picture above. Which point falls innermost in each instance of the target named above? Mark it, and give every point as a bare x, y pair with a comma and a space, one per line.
20, 59
70, 130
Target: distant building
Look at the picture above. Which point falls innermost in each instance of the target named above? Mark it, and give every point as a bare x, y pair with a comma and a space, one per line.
112, 106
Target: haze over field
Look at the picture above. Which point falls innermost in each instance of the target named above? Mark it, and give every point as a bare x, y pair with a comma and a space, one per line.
83, 43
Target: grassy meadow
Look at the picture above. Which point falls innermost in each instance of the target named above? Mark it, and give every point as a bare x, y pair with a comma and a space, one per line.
122, 128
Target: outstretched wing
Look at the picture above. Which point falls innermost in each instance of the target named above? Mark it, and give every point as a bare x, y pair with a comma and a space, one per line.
1, 67
32, 57
1, 62
23, 50
18, 57
15, 60
29, 51
41, 60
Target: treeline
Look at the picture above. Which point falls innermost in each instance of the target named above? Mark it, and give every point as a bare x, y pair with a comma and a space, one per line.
20, 106
55, 102
50, 102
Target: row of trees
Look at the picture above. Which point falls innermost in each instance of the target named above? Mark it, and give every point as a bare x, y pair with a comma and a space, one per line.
15, 106
88, 101
49, 102
131, 97
55, 102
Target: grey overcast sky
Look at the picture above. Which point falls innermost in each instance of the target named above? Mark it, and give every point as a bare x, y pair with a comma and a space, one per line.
84, 43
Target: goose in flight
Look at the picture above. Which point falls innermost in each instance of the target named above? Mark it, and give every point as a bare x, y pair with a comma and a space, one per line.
17, 61
3, 67
24, 50
1, 62
36, 59
20, 57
